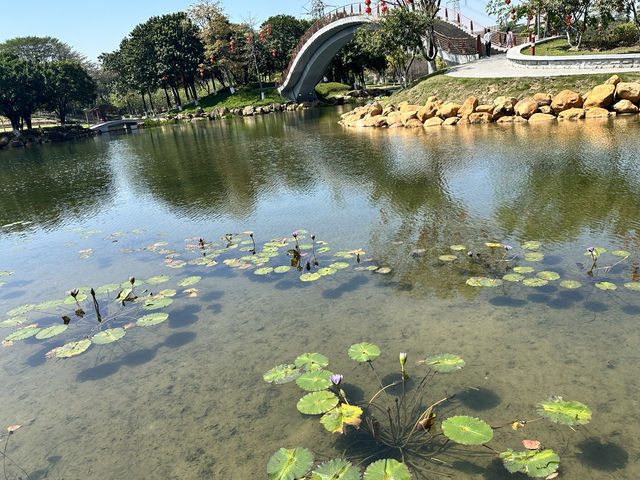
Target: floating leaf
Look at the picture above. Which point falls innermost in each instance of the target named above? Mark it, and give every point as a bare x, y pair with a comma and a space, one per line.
73, 348
523, 269
533, 463
176, 264
606, 286
167, 292
108, 336
493, 244
467, 430
531, 245
71, 301
48, 304
535, 282
484, 282
189, 281
533, 257
564, 412
314, 380
289, 464
13, 428
282, 269
263, 271
13, 321
447, 258
20, 310
445, 362
282, 374
5, 273
309, 277
531, 444
596, 252
311, 361
513, 277
51, 331
571, 284
336, 469
315, 403
152, 319
457, 248
339, 265
335, 420
323, 249
111, 287
156, 303
387, 469
326, 271
548, 275
632, 286
621, 253
21, 334
157, 279
363, 352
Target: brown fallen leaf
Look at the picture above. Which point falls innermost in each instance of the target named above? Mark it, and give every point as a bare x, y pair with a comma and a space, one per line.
531, 444
13, 428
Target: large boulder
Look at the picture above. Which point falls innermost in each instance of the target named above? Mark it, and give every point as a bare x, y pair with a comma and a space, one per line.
248, 111
451, 121
468, 107
505, 119
571, 114
613, 80
598, 113
388, 109
565, 100
433, 122
541, 117
484, 109
375, 109
379, 121
413, 123
394, 118
448, 110
625, 106
464, 120
408, 115
428, 111
542, 99
601, 96
629, 91
503, 106
546, 109
407, 107
480, 117
526, 107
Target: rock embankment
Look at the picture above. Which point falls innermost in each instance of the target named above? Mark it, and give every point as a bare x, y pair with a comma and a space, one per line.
47, 135
248, 111
611, 98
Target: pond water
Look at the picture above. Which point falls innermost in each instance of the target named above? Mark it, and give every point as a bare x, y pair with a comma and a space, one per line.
185, 398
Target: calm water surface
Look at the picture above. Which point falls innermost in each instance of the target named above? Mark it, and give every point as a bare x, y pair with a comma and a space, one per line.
185, 399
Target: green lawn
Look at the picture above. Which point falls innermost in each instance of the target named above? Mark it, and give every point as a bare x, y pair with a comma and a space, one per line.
331, 89
243, 97
559, 47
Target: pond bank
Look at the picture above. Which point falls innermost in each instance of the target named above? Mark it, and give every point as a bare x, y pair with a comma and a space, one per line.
39, 136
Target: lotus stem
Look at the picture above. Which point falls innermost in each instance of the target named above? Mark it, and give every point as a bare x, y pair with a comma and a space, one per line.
382, 390
96, 307
424, 415
375, 373
491, 448
5, 457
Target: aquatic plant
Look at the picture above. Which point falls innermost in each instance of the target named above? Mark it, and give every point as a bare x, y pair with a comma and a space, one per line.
394, 435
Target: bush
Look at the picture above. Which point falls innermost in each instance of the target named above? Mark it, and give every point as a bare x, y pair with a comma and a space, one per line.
625, 34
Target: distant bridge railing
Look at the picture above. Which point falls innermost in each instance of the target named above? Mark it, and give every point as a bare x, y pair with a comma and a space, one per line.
458, 46
474, 28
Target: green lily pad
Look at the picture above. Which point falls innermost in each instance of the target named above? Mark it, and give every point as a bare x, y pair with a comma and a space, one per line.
445, 362
263, 271
314, 380
187, 282
363, 352
156, 303
335, 420
315, 403
457, 248
282, 269
2, 283
311, 361
493, 244
20, 310
632, 286
571, 284
606, 286
383, 270
531, 462
51, 331
447, 258
467, 430
336, 469
387, 469
533, 256
309, 277
282, 374
21, 334
513, 277
621, 253
71, 301
561, 411
596, 252
13, 322
111, 287
323, 249
535, 282
326, 271
152, 319
289, 464
108, 336
548, 275
343, 255
157, 279
136, 283
72, 349
339, 265
523, 269
48, 304
484, 282
531, 245
5, 273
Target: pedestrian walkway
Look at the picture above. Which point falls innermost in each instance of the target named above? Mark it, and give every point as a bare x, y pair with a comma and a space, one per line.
499, 66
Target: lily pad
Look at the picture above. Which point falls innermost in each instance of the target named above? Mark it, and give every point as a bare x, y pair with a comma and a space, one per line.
467, 430
288, 464
513, 277
571, 284
156, 303
311, 361
383, 270
309, 277
168, 292
335, 420
5, 273
282, 374
561, 411
157, 279
531, 462
48, 304
152, 319
447, 258
533, 256
336, 469
387, 469
20, 310
51, 331
457, 248
315, 403
523, 269
363, 352
282, 269
13, 322
323, 249
445, 362
621, 253
548, 275
606, 286
484, 282
531, 245
535, 282
190, 281
71, 301
21, 334
72, 349
632, 286
108, 336
339, 265
263, 271
326, 271
493, 244
314, 380
111, 287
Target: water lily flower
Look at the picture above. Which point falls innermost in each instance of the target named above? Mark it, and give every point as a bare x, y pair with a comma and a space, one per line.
469, 253
590, 249
132, 280
336, 379
313, 237
295, 234
308, 265
74, 292
403, 358
508, 247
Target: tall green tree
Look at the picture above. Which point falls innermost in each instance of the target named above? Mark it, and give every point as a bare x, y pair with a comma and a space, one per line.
41, 49
285, 33
21, 89
67, 83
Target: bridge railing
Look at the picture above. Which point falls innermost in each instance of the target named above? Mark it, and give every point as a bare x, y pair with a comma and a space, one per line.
458, 46
474, 28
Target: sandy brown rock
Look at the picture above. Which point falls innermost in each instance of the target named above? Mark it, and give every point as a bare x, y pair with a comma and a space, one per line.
408, 115
433, 122
625, 106
546, 109
598, 113
571, 114
526, 107
379, 121
519, 119
541, 117
613, 80
468, 107
542, 99
394, 118
451, 121
408, 108
629, 91
375, 109
428, 111
601, 96
464, 120
484, 109
413, 123
505, 119
503, 106
480, 117
448, 109
388, 109
565, 100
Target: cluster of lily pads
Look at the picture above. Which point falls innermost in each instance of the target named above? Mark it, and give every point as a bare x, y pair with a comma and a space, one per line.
393, 435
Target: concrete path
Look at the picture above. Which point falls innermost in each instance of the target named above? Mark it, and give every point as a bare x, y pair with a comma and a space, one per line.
499, 66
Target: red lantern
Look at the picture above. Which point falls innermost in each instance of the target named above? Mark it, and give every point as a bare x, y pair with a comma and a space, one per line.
182, 79
268, 30
164, 77
368, 10
232, 49
508, 2
367, 2
273, 52
211, 57
261, 35
201, 72
248, 38
513, 11
568, 17
513, 17
568, 24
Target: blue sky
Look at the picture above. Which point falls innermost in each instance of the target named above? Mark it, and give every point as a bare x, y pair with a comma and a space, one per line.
94, 26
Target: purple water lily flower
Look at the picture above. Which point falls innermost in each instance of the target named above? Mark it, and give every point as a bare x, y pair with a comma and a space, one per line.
74, 292
469, 253
336, 379
132, 280
295, 234
590, 249
508, 247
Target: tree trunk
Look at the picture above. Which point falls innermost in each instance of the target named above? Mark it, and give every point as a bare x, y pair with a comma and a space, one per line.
153, 108
194, 93
27, 120
144, 104
166, 94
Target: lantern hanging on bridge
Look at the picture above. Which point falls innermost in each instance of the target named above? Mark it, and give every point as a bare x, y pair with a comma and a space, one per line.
513, 17
368, 9
248, 38
383, 4
164, 77
508, 2
268, 30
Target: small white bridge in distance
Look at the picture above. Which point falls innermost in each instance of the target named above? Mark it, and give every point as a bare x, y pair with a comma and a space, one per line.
116, 125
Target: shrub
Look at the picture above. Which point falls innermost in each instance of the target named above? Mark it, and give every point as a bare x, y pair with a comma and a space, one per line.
625, 34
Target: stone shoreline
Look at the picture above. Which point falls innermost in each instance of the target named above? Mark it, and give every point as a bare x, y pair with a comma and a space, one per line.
611, 98
38, 136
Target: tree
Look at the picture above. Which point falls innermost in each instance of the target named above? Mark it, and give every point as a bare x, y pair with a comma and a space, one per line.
66, 83
422, 24
41, 49
21, 89
285, 33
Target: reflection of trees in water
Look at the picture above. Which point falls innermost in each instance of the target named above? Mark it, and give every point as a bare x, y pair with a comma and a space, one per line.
52, 184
